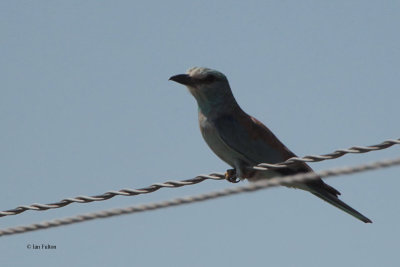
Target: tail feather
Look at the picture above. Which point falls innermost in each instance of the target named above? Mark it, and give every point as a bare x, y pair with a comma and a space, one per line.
321, 190
335, 201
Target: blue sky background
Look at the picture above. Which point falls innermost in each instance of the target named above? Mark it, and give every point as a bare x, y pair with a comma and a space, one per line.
86, 107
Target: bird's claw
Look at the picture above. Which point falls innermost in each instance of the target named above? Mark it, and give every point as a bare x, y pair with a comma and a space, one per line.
231, 176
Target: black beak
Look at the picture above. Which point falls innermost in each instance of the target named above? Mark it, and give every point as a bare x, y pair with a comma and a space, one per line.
184, 79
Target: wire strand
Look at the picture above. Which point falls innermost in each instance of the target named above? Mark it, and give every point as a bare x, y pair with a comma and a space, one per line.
196, 180
262, 184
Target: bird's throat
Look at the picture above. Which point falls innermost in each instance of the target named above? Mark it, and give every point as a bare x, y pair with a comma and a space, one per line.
216, 106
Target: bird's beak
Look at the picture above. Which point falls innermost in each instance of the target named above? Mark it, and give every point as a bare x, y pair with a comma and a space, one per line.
184, 79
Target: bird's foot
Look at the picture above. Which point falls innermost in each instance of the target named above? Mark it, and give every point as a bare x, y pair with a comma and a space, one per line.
231, 176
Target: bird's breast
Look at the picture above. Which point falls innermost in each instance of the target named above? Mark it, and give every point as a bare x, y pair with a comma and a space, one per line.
217, 145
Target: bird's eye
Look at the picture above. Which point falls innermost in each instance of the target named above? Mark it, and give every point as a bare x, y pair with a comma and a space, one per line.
209, 78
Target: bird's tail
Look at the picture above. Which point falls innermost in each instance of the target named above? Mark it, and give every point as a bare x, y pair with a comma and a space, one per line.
335, 201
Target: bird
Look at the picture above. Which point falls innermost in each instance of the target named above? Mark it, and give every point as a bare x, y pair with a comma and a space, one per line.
242, 141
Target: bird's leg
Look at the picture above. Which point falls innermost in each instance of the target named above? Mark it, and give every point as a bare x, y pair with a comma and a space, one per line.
231, 176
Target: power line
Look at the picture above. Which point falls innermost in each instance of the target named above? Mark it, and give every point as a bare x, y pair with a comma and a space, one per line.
334, 155
262, 184
196, 180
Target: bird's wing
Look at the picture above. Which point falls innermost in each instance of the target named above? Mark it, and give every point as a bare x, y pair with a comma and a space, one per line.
252, 139
249, 137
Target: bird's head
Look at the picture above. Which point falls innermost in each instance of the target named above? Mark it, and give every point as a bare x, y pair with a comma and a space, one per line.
209, 87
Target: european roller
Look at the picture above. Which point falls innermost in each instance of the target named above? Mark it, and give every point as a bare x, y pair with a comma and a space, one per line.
242, 141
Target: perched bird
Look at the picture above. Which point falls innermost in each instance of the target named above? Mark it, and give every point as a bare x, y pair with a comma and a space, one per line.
242, 141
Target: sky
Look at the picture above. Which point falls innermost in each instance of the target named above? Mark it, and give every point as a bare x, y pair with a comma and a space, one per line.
86, 107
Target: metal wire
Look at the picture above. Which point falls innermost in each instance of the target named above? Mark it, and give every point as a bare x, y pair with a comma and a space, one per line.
196, 180
334, 155
262, 184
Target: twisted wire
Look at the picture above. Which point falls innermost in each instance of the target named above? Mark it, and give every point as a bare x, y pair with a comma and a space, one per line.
262, 184
111, 194
196, 180
334, 155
